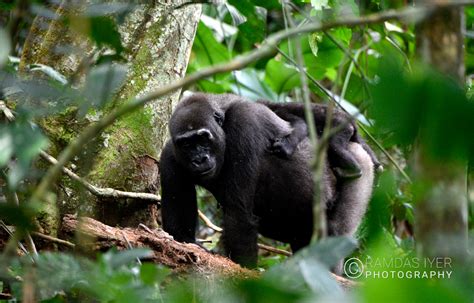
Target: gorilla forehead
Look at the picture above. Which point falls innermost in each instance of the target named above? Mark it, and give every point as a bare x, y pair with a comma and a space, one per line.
194, 112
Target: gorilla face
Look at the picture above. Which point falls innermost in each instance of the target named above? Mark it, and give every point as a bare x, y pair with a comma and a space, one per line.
198, 138
197, 151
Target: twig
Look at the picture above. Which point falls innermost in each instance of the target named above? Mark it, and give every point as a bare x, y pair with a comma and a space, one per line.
209, 222
54, 240
274, 250
102, 192
266, 49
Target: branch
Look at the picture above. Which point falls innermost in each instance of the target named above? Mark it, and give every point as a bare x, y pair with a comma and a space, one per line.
97, 191
54, 239
266, 49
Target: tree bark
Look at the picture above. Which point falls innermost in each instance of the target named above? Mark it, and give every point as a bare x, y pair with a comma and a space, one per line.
441, 212
158, 40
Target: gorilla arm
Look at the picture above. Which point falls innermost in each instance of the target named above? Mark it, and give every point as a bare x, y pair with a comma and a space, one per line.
179, 205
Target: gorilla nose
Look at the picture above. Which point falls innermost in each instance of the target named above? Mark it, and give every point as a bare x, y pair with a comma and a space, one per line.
200, 160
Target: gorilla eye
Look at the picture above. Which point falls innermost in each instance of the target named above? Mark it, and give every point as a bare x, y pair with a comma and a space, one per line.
219, 118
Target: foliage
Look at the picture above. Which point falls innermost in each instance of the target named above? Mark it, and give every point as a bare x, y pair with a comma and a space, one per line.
370, 70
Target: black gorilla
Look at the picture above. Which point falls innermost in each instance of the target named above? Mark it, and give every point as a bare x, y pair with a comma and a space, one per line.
341, 160
221, 142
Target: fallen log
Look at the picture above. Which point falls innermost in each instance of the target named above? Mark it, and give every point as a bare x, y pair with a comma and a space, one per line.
181, 257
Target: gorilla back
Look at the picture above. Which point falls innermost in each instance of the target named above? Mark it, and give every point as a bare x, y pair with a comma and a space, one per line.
221, 143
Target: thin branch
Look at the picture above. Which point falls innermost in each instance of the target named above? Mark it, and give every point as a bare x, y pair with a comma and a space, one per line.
209, 223
266, 49
97, 191
54, 239
274, 250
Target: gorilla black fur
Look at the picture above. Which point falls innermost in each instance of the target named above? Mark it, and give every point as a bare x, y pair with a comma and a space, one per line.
221, 143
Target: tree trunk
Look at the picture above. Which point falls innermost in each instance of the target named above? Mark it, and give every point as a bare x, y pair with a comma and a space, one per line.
158, 41
441, 211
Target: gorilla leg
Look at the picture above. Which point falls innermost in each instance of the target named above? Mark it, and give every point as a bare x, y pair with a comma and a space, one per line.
345, 214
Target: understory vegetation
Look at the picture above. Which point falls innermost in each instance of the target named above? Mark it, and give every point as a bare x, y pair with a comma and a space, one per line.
93, 84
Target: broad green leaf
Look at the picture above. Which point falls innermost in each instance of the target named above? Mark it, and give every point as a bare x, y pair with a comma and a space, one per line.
251, 86
102, 30
59, 272
326, 253
151, 274
318, 278
281, 77
206, 50
424, 106
253, 30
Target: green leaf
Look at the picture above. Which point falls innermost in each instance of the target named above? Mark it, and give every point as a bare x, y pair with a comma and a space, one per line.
253, 30
424, 106
104, 32
59, 272
116, 259
268, 4
281, 77
295, 272
101, 83
206, 50
5, 47
21, 216
318, 278
23, 142
250, 85
151, 274
6, 146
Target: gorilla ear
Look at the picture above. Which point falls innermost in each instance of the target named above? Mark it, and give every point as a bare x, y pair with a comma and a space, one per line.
219, 117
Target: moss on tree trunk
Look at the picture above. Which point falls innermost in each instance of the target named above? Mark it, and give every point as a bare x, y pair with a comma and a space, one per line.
158, 41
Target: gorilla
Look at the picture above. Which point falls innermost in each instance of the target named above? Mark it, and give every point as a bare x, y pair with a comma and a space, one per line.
341, 160
222, 143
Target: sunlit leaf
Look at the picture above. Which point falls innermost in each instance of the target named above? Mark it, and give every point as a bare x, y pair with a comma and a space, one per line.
5, 47
250, 85
6, 146
281, 77
253, 30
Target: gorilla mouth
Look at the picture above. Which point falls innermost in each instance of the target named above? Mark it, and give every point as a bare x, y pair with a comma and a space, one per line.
207, 171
